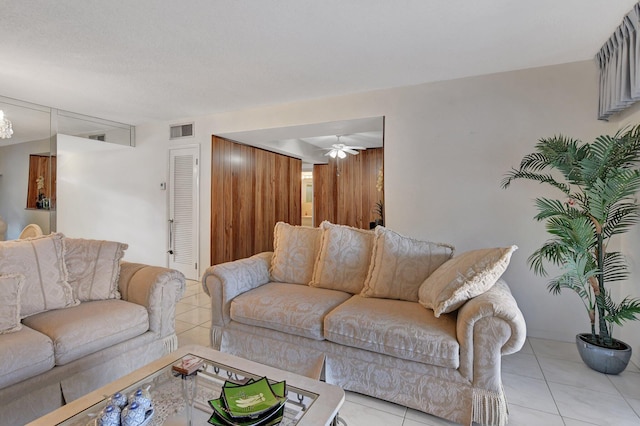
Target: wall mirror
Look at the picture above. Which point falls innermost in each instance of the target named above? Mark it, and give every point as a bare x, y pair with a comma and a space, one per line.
28, 183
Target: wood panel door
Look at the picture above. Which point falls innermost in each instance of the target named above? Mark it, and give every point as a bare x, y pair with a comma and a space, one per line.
344, 190
251, 190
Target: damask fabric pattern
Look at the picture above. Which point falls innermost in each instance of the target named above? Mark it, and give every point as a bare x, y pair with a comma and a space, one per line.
435, 395
399, 328
41, 261
90, 327
24, 354
286, 307
93, 268
401, 264
225, 281
10, 289
345, 255
464, 277
294, 254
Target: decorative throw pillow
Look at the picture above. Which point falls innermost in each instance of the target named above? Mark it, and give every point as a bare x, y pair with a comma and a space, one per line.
400, 264
41, 262
464, 277
10, 290
344, 258
93, 267
295, 249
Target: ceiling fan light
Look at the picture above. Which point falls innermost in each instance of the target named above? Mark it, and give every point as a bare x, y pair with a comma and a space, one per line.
341, 154
333, 153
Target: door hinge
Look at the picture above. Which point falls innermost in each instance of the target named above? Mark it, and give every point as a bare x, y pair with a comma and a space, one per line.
196, 266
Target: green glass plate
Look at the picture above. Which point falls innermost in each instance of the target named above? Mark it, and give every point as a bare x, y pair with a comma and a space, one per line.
250, 400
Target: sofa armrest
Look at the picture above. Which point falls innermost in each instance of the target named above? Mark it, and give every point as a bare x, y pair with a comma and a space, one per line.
225, 281
489, 326
156, 288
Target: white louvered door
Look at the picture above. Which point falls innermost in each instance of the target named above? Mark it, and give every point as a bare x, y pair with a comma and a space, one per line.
183, 210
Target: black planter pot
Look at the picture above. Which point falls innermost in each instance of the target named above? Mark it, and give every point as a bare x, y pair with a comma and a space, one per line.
602, 359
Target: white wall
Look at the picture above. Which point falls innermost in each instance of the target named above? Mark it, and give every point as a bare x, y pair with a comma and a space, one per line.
14, 168
447, 147
108, 191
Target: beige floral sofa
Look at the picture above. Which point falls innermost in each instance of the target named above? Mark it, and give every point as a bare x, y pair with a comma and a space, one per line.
376, 313
74, 317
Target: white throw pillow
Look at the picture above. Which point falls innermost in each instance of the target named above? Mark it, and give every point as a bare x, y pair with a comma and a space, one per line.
93, 267
10, 289
399, 265
344, 258
464, 277
41, 261
295, 249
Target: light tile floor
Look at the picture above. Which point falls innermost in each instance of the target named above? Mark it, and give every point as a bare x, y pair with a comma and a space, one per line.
546, 383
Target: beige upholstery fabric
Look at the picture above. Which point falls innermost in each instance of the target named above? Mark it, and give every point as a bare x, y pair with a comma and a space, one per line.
463, 277
400, 264
90, 327
294, 309
294, 253
10, 289
344, 258
41, 262
300, 360
25, 353
156, 288
93, 268
394, 327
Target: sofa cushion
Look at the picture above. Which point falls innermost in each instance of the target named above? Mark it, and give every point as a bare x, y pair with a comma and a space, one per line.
24, 354
400, 264
295, 249
10, 289
293, 309
396, 328
463, 277
90, 327
41, 262
93, 268
344, 258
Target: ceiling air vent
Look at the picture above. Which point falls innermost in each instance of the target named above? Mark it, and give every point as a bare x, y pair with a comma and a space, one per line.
98, 137
181, 131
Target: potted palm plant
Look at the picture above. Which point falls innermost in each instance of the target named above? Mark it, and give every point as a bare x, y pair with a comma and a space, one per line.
598, 183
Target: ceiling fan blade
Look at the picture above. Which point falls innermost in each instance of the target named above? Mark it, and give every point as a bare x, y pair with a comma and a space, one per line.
355, 147
351, 151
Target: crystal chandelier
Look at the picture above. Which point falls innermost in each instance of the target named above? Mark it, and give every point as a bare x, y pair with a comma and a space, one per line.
5, 127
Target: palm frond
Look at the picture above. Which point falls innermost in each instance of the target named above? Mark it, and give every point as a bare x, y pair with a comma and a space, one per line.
542, 178
627, 310
615, 267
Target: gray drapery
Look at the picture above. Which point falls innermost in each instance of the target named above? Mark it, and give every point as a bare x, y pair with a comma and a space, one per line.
619, 69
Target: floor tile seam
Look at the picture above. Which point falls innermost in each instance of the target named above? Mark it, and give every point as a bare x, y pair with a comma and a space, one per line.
546, 383
604, 391
550, 380
577, 420
618, 389
535, 409
403, 416
637, 413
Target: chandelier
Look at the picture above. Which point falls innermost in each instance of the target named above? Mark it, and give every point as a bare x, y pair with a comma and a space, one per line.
6, 129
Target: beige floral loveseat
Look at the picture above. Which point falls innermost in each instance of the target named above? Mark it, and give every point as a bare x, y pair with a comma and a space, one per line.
377, 313
74, 317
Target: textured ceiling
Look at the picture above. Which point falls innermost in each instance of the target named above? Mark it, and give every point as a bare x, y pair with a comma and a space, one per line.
147, 60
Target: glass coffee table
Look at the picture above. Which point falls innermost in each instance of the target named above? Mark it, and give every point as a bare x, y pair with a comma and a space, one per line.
309, 402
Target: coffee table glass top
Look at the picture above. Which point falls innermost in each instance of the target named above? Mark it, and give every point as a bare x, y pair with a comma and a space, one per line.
166, 388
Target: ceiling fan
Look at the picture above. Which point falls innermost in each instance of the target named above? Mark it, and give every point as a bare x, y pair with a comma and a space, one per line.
341, 150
